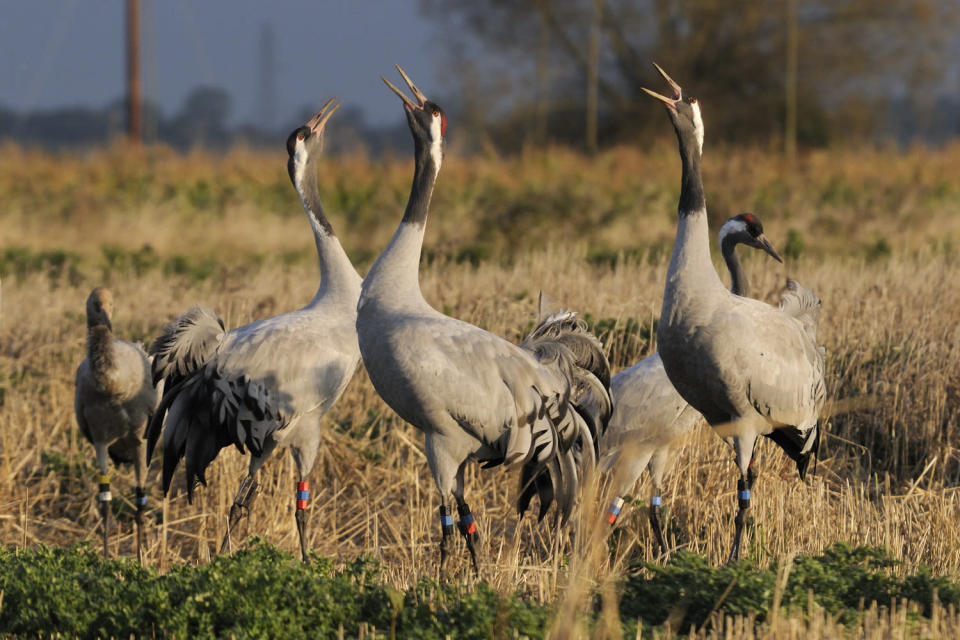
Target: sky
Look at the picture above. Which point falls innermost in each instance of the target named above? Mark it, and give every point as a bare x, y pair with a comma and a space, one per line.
71, 52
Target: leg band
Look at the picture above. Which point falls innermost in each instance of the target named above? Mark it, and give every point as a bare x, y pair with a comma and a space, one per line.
141, 497
467, 525
446, 521
614, 510
303, 495
655, 501
104, 488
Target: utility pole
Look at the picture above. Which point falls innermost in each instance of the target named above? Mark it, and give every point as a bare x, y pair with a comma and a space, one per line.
134, 104
593, 76
790, 116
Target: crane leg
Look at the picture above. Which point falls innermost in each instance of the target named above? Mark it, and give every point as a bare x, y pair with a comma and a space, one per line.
140, 470
467, 524
303, 497
744, 449
240, 507
446, 528
468, 529
141, 505
655, 522
105, 497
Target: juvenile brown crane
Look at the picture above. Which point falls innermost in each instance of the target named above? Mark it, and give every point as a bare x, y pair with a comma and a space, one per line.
114, 400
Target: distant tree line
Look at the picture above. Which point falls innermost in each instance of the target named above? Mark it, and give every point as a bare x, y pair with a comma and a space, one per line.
814, 71
202, 121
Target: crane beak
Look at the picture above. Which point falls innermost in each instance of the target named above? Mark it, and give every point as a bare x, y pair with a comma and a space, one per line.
317, 122
410, 104
677, 91
766, 246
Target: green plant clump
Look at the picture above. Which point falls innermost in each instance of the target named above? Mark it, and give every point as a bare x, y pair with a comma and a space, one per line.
842, 580
258, 592
263, 592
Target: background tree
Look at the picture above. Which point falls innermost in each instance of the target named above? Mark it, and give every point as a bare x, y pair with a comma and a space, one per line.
853, 58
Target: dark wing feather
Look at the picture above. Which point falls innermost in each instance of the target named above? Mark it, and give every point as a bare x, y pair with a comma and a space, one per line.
555, 473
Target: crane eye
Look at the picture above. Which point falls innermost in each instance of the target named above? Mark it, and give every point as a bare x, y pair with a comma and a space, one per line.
436, 113
693, 101
299, 136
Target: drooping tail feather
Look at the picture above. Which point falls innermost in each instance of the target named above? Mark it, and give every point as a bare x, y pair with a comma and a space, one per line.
208, 412
182, 349
562, 340
800, 447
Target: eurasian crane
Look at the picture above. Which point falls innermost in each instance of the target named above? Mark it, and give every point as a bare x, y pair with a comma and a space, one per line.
266, 384
649, 416
749, 368
114, 399
474, 395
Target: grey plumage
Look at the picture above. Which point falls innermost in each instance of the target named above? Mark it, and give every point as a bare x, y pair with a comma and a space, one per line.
114, 399
266, 384
750, 369
649, 416
474, 395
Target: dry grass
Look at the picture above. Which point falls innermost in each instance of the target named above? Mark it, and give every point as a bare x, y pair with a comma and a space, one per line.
890, 467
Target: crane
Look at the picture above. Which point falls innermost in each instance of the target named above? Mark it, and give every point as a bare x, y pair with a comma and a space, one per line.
267, 384
649, 416
474, 395
114, 399
749, 368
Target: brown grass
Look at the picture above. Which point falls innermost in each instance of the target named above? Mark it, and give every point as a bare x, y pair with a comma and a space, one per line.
890, 463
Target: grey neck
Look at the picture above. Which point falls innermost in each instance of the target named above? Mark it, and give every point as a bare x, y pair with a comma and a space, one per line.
336, 271
310, 196
739, 284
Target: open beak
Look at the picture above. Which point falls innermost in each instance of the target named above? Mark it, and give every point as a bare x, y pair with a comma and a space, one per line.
766, 246
316, 122
677, 91
410, 104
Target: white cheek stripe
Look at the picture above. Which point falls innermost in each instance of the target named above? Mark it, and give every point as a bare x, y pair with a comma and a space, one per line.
698, 125
731, 226
436, 146
299, 163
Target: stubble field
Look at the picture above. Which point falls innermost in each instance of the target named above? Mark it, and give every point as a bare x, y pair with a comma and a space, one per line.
874, 233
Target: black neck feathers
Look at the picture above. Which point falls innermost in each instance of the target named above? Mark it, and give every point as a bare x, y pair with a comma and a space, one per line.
424, 177
739, 285
691, 184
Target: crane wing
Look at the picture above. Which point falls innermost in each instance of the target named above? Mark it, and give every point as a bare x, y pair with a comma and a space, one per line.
263, 378
785, 368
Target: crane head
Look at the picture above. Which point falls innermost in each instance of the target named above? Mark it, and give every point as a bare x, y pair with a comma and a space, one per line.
684, 113
99, 308
306, 141
746, 228
427, 120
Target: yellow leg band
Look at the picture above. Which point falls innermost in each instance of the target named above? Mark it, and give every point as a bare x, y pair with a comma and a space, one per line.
104, 480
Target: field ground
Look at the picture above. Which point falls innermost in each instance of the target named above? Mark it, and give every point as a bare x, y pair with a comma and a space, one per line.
874, 233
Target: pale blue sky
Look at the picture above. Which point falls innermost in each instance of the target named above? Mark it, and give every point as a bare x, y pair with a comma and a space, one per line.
70, 52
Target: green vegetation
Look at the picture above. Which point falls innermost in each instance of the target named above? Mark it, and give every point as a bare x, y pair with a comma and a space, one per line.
263, 592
